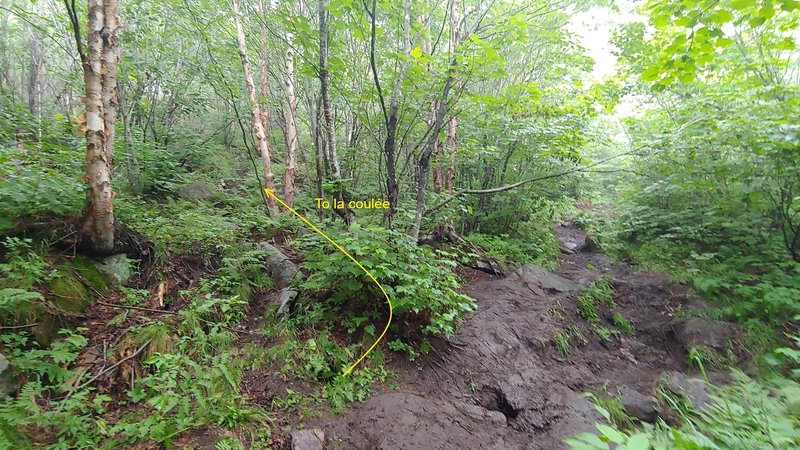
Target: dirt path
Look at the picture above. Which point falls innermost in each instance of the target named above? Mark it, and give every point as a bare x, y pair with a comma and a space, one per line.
503, 384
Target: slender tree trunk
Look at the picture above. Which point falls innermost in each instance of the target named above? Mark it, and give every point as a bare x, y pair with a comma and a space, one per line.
452, 128
423, 163
265, 94
327, 109
100, 79
35, 76
261, 138
291, 128
452, 144
132, 167
314, 119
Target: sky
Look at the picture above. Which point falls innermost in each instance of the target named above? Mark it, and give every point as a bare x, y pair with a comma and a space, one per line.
594, 28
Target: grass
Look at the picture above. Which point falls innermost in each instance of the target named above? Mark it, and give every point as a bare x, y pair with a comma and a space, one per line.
562, 340
623, 324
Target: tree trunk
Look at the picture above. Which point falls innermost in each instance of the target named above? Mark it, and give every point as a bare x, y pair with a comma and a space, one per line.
35, 77
265, 94
327, 110
423, 163
261, 138
100, 79
452, 143
291, 128
452, 140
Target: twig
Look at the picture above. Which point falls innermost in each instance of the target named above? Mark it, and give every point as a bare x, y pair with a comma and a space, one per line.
104, 370
138, 308
17, 327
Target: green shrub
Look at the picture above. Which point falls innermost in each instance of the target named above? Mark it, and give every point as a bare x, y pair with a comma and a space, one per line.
539, 248
745, 414
419, 281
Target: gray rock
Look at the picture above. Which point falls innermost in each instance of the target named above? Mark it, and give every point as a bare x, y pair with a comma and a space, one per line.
590, 244
535, 276
286, 299
9, 382
695, 331
308, 439
638, 405
196, 190
692, 388
119, 267
282, 270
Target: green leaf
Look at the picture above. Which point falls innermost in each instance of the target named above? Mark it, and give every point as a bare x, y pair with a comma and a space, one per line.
612, 434
638, 441
651, 74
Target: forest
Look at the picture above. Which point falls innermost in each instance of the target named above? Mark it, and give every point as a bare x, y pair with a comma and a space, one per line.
400, 224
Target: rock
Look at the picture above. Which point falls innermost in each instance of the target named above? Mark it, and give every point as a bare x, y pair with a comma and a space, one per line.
491, 266
283, 272
694, 331
9, 382
638, 405
118, 267
195, 191
280, 268
535, 276
286, 299
69, 294
692, 388
308, 439
479, 413
590, 244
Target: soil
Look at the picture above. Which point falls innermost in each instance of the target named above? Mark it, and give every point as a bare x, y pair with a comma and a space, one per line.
501, 382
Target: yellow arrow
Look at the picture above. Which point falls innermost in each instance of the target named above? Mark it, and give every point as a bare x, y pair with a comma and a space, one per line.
345, 253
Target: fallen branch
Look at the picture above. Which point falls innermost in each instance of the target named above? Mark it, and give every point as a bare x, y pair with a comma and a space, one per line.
17, 327
138, 308
105, 370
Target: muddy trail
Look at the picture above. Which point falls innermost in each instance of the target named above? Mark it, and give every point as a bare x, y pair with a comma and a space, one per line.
503, 383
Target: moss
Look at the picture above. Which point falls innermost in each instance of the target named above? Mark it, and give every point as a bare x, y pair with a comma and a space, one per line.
69, 294
90, 274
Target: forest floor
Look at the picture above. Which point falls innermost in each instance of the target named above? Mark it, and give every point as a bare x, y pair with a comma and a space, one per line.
503, 382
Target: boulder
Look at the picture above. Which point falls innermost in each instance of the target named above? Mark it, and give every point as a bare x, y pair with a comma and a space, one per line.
286, 299
118, 267
312, 439
695, 331
536, 277
692, 388
638, 405
195, 191
282, 270
9, 382
590, 244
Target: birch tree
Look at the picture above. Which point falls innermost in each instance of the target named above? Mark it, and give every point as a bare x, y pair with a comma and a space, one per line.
100, 57
258, 125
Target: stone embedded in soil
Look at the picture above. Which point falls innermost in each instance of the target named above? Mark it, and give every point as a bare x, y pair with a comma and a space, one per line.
119, 267
695, 331
692, 388
308, 439
9, 381
638, 405
282, 270
536, 276
406, 421
285, 300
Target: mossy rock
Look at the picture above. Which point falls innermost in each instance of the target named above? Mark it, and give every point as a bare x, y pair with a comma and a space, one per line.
90, 274
116, 268
69, 294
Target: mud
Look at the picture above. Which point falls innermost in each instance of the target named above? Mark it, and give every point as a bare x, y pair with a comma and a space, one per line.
501, 382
